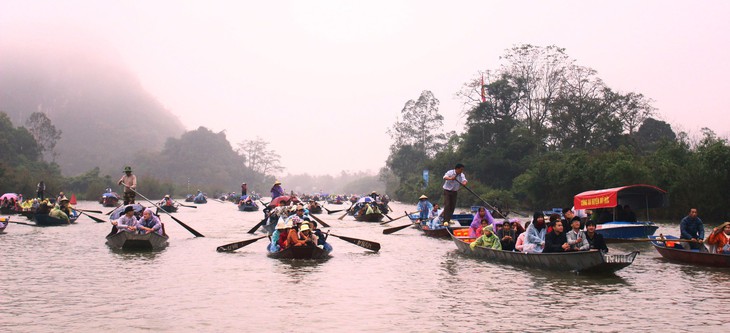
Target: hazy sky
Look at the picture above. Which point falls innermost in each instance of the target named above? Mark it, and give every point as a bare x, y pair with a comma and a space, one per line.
323, 80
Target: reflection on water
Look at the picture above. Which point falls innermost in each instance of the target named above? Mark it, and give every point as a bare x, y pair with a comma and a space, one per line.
58, 278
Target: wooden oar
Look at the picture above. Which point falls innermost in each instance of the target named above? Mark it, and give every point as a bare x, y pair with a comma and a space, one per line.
398, 218
111, 211
332, 211
633, 240
88, 211
394, 229
23, 223
179, 204
188, 228
373, 246
485, 202
346, 211
98, 220
319, 221
258, 225
237, 245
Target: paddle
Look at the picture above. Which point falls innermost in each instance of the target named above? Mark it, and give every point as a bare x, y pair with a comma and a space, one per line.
398, 218
631, 240
192, 231
373, 246
484, 201
98, 220
319, 221
23, 223
258, 225
88, 211
394, 229
110, 212
237, 245
332, 211
347, 211
179, 204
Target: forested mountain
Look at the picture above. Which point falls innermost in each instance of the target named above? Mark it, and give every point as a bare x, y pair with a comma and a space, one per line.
104, 113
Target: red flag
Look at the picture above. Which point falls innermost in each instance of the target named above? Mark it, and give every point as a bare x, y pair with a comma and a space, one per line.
484, 98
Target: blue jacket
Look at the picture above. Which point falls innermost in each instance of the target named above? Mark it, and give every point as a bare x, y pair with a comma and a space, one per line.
692, 228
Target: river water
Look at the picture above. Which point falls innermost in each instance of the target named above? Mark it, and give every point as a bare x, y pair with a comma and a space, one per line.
67, 279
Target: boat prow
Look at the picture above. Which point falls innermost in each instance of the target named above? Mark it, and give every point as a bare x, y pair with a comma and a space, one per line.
130, 241
300, 252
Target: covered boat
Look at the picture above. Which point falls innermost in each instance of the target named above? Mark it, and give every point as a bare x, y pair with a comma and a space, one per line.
109, 199
300, 252
132, 241
120, 211
636, 196
592, 261
675, 251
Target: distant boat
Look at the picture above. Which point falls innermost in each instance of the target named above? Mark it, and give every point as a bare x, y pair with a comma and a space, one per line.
300, 252
131, 241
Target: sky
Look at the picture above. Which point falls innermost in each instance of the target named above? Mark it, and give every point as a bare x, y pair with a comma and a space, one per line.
322, 81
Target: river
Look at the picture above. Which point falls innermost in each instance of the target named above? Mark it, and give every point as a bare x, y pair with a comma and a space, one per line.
67, 279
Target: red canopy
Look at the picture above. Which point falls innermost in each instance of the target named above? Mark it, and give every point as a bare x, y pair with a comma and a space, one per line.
276, 201
636, 196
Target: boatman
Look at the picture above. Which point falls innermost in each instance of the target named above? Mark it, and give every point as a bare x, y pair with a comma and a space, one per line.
276, 190
691, 227
453, 179
130, 185
244, 189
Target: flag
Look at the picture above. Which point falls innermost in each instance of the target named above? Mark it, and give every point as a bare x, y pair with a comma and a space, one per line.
484, 98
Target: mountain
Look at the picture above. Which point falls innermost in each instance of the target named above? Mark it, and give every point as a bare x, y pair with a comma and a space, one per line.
87, 91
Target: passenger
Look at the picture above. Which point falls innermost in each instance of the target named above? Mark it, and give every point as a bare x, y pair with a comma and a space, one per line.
127, 222
595, 239
691, 227
424, 208
556, 241
476, 223
63, 206
506, 236
44, 208
436, 211
577, 238
535, 238
488, 240
520, 243
279, 234
569, 217
149, 223
517, 227
321, 238
720, 238
553, 219
58, 213
301, 237
167, 201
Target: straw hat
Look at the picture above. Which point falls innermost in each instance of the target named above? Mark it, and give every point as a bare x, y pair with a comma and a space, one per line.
304, 227
422, 197
277, 183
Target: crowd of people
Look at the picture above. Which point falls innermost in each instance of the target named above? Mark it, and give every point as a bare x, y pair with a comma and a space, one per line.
293, 227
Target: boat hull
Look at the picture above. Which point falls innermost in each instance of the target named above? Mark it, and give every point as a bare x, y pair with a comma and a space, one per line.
626, 230
300, 252
169, 209
248, 208
372, 217
692, 257
130, 241
594, 262
45, 220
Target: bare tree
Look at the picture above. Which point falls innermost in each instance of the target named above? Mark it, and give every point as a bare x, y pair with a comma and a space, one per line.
258, 157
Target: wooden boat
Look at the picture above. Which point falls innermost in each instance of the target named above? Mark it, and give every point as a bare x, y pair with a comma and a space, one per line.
440, 232
109, 199
131, 241
675, 252
200, 200
169, 208
249, 206
372, 217
45, 220
300, 252
639, 195
593, 261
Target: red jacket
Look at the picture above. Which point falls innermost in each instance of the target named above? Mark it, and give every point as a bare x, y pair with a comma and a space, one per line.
719, 239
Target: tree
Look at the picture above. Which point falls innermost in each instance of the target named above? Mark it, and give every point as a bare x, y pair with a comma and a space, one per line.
44, 132
419, 126
258, 157
632, 110
652, 133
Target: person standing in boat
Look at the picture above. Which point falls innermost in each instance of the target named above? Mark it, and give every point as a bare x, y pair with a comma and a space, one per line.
556, 241
244, 190
535, 234
720, 238
453, 180
41, 190
130, 185
149, 223
595, 240
276, 190
424, 208
127, 222
691, 227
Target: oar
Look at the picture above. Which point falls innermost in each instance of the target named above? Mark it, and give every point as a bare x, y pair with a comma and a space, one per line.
332, 211
192, 231
237, 245
111, 211
394, 229
346, 211
319, 221
179, 204
631, 240
98, 220
88, 211
258, 225
23, 223
373, 246
484, 201
398, 218
265, 204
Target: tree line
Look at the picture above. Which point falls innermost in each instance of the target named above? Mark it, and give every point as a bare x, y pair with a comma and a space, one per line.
540, 128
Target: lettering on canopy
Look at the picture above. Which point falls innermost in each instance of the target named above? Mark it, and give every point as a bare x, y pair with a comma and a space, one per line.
597, 200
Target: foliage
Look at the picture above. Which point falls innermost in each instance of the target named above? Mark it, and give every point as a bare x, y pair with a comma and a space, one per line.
44, 132
259, 158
